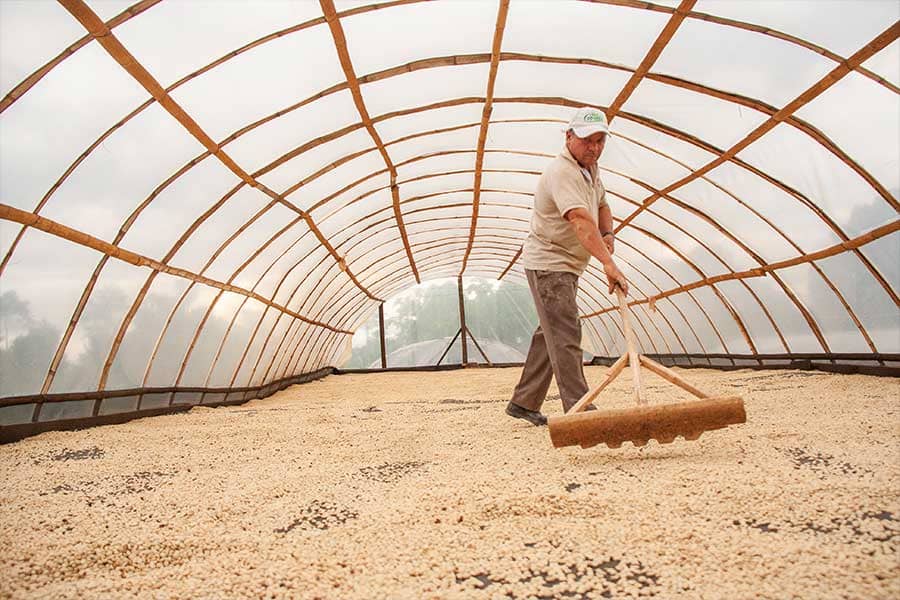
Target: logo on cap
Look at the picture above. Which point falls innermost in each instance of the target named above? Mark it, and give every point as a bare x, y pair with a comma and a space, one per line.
593, 117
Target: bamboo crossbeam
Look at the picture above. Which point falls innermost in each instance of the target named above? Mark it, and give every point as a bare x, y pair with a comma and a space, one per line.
875, 234
671, 376
879, 43
647, 63
499, 27
86, 16
611, 374
340, 42
26, 84
10, 213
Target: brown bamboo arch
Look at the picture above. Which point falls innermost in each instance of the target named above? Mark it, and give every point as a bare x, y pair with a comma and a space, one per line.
846, 246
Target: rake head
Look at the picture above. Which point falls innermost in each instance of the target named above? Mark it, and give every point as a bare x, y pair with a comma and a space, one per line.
644, 423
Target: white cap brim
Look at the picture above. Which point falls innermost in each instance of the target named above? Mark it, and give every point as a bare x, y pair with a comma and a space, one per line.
584, 131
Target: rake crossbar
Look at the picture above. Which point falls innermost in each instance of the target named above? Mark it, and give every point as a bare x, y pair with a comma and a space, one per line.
643, 423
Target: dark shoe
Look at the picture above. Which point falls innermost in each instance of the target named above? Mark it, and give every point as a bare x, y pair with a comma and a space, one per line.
532, 416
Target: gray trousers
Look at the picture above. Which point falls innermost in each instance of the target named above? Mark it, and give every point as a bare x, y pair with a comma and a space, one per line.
556, 345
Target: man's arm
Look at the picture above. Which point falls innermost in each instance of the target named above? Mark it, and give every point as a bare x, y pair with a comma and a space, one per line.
605, 220
590, 238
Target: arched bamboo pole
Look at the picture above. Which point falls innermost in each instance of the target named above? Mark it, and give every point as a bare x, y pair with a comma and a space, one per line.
502, 11
879, 43
118, 52
725, 303
340, 43
662, 40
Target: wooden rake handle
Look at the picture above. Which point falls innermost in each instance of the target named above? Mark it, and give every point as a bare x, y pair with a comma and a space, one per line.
633, 358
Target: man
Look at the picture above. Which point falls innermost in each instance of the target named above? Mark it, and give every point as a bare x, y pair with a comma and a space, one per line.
570, 223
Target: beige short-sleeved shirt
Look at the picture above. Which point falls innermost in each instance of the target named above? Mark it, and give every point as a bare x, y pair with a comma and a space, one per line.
551, 244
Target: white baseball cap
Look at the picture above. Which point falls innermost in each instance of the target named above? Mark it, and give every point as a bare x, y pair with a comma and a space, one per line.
587, 121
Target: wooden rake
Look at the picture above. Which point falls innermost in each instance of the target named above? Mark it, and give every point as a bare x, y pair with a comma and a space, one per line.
639, 425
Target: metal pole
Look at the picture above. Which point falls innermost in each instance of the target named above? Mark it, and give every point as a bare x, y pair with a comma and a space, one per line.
462, 322
381, 334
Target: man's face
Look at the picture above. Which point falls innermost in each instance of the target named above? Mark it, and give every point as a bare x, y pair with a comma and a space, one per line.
586, 150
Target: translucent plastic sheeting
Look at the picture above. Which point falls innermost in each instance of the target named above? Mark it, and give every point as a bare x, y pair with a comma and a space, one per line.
355, 204
790, 213
234, 343
837, 327
426, 152
104, 190
518, 199
8, 232
21, 52
278, 272
419, 30
124, 404
177, 336
788, 316
738, 220
248, 241
176, 207
753, 316
821, 177
428, 86
97, 326
869, 137
269, 139
843, 26
719, 244
133, 355
671, 147
587, 84
282, 241
871, 304
273, 339
572, 29
301, 278
885, 63
255, 81
520, 162
218, 319
734, 60
35, 310
73, 409
339, 220
515, 183
326, 298
205, 31
640, 163
437, 184
251, 352
883, 255
714, 121
461, 161
305, 169
702, 322
40, 138
660, 254
214, 231
401, 126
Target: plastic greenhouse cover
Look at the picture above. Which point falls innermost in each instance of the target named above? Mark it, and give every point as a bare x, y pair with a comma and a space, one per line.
227, 208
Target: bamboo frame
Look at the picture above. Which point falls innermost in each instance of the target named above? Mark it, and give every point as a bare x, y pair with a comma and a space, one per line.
665, 36
879, 43
340, 43
81, 304
502, 11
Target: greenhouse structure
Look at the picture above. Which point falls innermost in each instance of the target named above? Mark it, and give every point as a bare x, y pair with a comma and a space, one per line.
263, 298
